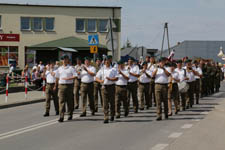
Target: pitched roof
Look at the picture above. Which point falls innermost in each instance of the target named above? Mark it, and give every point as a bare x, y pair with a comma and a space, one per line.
68, 42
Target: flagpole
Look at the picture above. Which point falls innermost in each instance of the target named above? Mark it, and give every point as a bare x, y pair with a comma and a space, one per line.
111, 30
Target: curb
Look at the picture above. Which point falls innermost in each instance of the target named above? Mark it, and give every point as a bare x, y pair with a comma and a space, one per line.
4, 106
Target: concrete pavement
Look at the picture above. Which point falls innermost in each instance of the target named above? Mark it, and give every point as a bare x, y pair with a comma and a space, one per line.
18, 99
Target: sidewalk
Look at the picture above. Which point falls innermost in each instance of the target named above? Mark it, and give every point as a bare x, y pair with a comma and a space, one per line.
208, 134
17, 99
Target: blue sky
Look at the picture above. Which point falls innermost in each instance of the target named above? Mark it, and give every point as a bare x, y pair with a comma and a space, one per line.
142, 20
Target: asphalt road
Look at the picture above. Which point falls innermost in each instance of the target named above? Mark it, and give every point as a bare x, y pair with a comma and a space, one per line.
24, 128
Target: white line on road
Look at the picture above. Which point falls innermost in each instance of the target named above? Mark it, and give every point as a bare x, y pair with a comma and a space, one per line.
187, 126
196, 120
29, 128
204, 113
159, 147
175, 135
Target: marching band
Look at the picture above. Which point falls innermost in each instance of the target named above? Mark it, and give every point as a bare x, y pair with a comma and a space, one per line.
148, 82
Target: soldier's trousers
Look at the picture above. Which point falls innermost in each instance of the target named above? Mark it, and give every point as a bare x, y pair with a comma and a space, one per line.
152, 92
108, 100
87, 90
143, 89
161, 95
184, 97
66, 96
197, 90
77, 85
190, 97
121, 97
132, 91
51, 94
97, 90
173, 93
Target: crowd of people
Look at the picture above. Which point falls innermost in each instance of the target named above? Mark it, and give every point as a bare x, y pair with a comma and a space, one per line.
146, 84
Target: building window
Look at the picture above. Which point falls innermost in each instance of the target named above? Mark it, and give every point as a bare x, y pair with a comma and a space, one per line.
8, 54
37, 24
25, 23
30, 58
49, 24
80, 25
92, 25
102, 26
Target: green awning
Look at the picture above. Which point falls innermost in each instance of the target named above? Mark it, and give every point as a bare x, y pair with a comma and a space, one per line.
68, 42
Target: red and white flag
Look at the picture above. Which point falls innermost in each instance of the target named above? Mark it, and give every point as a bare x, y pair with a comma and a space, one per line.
172, 53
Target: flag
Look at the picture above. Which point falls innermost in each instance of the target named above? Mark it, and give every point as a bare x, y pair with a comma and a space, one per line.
221, 54
111, 38
172, 53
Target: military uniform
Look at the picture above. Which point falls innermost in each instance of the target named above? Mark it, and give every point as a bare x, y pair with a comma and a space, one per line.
197, 83
191, 83
151, 67
50, 92
121, 93
107, 91
143, 89
132, 86
65, 92
161, 92
87, 89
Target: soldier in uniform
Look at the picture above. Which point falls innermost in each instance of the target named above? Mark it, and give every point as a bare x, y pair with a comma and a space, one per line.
50, 92
161, 88
77, 83
183, 78
65, 76
204, 78
87, 86
173, 92
197, 80
97, 85
218, 77
143, 87
191, 82
121, 89
151, 67
132, 83
106, 76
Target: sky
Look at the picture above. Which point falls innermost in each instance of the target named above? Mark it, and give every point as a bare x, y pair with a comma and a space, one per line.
143, 20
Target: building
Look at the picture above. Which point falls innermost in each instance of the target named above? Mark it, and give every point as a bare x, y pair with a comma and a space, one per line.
138, 52
29, 33
197, 49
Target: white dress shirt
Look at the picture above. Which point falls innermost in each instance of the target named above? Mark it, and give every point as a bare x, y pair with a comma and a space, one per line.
161, 77
181, 74
121, 80
86, 77
175, 75
78, 68
65, 72
199, 70
144, 78
105, 72
133, 69
49, 77
190, 75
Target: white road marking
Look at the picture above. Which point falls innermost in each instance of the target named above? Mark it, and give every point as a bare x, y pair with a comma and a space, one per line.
204, 113
159, 147
175, 135
187, 126
29, 128
196, 120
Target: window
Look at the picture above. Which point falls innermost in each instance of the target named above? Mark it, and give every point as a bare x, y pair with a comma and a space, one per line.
8, 54
25, 23
102, 26
49, 24
37, 24
30, 58
91, 25
80, 25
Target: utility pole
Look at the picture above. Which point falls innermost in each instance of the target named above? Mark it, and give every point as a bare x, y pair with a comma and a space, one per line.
165, 33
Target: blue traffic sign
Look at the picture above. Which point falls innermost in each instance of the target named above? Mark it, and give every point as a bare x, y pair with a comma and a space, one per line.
93, 40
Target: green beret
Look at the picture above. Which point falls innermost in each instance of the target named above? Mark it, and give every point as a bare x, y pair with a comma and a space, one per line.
64, 57
87, 58
120, 62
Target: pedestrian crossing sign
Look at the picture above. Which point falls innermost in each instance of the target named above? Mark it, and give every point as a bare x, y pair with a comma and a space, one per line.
93, 40
93, 49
